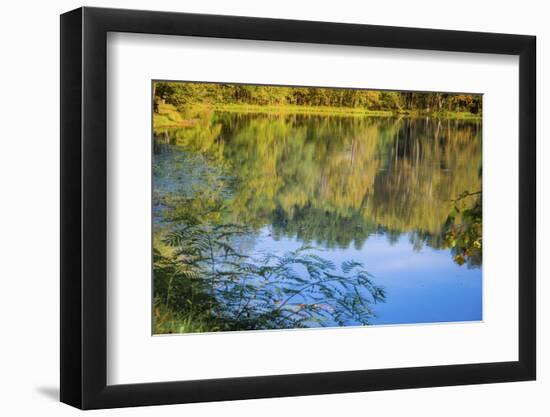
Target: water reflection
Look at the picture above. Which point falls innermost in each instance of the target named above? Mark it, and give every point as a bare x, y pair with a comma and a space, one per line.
337, 184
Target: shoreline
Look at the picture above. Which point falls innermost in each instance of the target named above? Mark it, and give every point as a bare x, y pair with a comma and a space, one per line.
169, 117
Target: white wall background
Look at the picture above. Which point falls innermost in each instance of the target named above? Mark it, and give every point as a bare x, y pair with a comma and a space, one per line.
29, 220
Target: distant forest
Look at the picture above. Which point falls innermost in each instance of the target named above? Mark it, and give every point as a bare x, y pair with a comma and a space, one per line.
183, 94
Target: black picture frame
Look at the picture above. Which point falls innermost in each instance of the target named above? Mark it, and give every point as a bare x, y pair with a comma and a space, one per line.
84, 207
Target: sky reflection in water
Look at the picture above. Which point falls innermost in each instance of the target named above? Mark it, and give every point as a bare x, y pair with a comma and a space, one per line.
373, 190
423, 286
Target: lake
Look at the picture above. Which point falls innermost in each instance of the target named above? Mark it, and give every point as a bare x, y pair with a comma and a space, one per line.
379, 194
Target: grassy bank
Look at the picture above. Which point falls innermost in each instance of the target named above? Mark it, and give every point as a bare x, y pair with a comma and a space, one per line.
440, 115
168, 116
295, 109
168, 321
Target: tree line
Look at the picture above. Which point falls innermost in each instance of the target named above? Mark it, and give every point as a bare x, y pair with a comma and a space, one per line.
182, 94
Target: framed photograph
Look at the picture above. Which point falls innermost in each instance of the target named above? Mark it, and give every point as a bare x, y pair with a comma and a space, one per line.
257, 208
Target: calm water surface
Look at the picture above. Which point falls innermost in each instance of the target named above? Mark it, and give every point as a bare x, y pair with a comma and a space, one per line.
375, 190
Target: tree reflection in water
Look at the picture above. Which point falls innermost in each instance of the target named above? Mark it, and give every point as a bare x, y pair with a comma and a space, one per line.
328, 182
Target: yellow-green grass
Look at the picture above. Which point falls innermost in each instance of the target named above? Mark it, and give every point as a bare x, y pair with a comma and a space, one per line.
297, 109
442, 114
168, 116
167, 321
